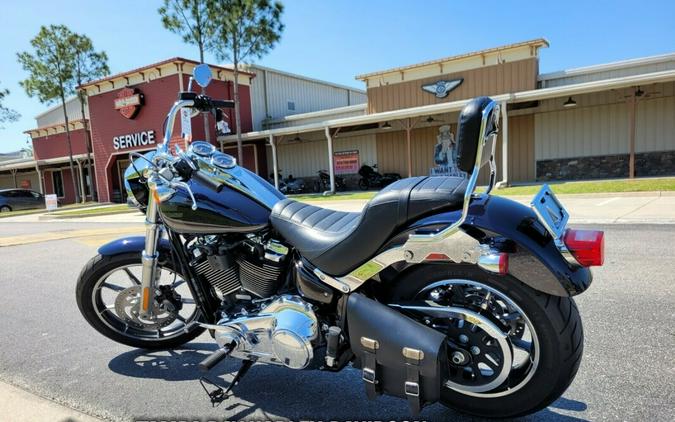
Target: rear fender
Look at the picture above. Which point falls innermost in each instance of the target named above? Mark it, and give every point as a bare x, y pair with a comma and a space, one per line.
513, 228
131, 244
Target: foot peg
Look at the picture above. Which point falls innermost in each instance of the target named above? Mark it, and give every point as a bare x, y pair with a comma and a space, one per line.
215, 358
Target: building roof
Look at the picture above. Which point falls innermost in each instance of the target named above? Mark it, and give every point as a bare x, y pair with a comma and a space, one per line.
56, 128
536, 43
177, 60
661, 58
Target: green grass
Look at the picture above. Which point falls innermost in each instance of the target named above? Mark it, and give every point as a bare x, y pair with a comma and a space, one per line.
113, 209
564, 188
43, 210
602, 186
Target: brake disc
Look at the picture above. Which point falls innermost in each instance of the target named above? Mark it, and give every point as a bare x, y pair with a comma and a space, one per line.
127, 307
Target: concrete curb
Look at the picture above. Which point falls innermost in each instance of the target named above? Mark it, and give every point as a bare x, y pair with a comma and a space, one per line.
20, 405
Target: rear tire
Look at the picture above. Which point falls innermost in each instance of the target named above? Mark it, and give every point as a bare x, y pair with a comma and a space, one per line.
363, 184
5, 208
557, 324
92, 273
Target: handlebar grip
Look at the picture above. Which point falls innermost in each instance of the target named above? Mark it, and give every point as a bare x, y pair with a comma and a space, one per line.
207, 181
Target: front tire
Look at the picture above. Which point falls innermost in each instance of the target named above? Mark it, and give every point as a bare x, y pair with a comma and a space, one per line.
125, 328
558, 335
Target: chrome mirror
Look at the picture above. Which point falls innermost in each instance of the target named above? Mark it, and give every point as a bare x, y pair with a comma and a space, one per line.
202, 75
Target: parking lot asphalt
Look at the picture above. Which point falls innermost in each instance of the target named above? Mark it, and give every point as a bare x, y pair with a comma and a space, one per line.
627, 373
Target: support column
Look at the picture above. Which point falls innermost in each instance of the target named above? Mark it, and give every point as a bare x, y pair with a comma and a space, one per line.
331, 168
408, 129
13, 172
505, 145
39, 173
632, 105
79, 171
275, 163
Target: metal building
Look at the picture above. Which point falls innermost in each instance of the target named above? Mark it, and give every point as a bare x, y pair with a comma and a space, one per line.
608, 121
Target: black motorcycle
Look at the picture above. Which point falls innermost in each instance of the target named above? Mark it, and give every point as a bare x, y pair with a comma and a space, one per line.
290, 185
370, 178
436, 293
323, 183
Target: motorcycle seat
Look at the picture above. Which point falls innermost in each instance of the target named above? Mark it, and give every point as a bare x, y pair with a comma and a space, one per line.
337, 242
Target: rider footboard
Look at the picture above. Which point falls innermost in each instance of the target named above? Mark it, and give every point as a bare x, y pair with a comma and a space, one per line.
398, 355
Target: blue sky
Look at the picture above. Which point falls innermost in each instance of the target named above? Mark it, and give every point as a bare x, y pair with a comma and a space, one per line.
336, 40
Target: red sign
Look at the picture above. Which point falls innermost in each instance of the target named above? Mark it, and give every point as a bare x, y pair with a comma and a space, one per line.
346, 162
129, 102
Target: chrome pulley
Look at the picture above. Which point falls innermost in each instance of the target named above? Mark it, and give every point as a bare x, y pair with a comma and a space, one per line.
492, 346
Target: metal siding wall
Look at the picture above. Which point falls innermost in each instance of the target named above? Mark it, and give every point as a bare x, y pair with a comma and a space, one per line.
514, 76
258, 99
655, 124
521, 149
582, 131
304, 159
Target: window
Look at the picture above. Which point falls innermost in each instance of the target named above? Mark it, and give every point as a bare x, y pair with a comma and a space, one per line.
57, 180
35, 195
23, 194
291, 105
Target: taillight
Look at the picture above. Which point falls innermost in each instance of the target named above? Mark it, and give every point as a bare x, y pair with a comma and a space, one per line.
587, 246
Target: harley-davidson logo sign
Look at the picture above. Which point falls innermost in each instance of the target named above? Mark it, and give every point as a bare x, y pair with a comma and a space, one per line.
442, 88
129, 102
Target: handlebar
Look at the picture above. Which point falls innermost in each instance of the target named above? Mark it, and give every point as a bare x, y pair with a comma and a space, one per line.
207, 181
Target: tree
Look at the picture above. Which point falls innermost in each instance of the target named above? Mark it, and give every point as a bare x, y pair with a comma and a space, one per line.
51, 75
7, 114
87, 66
189, 19
243, 29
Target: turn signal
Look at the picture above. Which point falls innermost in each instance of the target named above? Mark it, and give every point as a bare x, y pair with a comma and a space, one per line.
495, 262
587, 246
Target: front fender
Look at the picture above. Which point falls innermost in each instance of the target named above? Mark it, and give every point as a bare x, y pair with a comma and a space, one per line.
533, 256
130, 244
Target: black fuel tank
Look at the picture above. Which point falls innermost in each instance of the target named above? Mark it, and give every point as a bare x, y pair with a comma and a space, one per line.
242, 206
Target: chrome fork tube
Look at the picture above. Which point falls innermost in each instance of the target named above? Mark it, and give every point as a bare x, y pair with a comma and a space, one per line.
149, 259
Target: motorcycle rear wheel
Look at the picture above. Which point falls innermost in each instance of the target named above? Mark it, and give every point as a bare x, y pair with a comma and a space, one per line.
557, 340
103, 276
363, 184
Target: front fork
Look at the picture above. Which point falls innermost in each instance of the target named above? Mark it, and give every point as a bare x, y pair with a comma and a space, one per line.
149, 258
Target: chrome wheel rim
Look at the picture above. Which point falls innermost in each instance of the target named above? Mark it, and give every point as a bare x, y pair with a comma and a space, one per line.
491, 332
116, 298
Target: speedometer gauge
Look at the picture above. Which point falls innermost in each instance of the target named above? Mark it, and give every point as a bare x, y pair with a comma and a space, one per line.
202, 149
223, 161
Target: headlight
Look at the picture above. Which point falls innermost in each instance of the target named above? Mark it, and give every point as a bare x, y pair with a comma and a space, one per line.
134, 180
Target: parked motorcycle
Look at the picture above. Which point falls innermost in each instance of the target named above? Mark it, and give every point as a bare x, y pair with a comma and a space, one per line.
323, 184
370, 178
290, 185
437, 293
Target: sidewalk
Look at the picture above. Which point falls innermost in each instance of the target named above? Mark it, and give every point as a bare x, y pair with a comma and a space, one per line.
18, 405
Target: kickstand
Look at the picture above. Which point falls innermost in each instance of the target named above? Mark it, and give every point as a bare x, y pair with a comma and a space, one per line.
219, 395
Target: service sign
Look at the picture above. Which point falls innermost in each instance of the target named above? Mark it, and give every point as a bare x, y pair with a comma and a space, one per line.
128, 102
134, 140
51, 202
346, 162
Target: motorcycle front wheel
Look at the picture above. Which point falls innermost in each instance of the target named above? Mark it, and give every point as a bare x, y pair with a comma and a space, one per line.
519, 353
363, 184
108, 296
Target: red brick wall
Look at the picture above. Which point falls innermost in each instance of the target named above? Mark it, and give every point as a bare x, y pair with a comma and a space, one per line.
159, 94
68, 189
54, 146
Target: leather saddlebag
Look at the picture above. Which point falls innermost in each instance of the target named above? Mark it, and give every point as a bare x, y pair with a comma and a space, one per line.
398, 355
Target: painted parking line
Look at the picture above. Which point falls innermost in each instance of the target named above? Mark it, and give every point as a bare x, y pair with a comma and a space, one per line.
607, 201
67, 234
